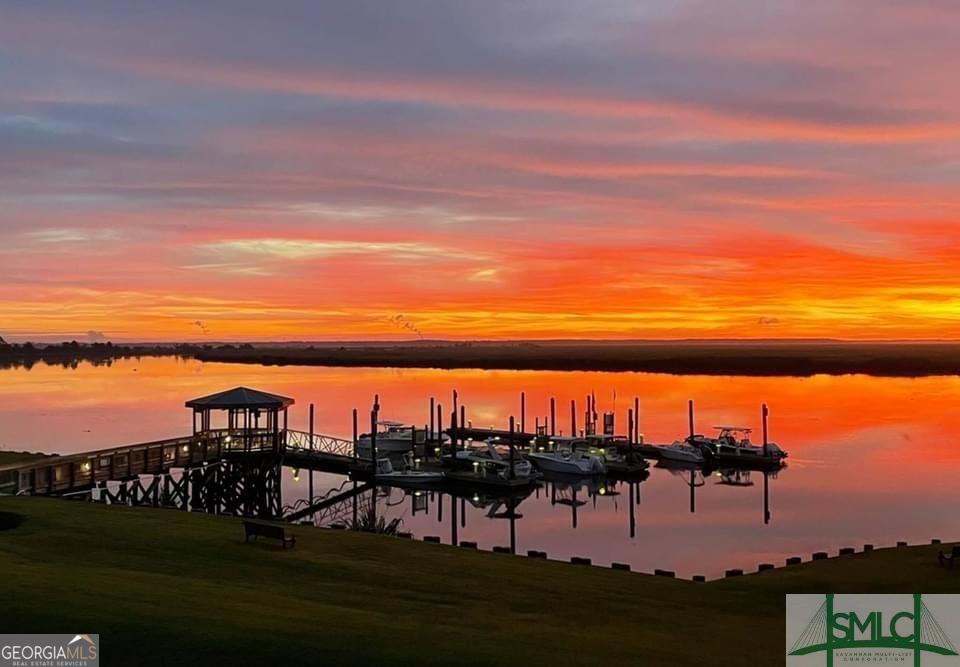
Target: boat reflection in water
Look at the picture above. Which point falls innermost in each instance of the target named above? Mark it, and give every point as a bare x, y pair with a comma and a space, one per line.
501, 518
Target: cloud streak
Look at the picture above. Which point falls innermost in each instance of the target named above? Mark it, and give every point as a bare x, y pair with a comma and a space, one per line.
498, 169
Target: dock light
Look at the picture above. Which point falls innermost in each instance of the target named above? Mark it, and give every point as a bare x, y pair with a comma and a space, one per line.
476, 498
186, 448
436, 450
496, 437
85, 467
602, 490
296, 474
228, 439
476, 464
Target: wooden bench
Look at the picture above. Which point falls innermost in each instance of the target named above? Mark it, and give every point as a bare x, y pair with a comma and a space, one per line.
254, 529
947, 559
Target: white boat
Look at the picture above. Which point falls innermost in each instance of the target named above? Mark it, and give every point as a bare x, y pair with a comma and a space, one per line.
487, 460
392, 438
682, 452
733, 443
569, 461
408, 476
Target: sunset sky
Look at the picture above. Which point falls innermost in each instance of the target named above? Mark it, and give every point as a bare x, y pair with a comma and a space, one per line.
490, 169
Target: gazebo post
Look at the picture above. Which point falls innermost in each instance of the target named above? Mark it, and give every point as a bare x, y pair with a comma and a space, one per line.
274, 416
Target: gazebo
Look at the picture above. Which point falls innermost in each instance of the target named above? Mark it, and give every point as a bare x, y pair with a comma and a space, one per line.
253, 418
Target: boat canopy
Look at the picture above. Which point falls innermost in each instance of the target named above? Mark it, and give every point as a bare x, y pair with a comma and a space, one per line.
734, 429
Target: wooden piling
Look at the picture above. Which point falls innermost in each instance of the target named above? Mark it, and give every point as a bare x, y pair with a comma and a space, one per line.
636, 419
453, 434
513, 473
373, 441
456, 404
311, 449
439, 431
356, 436
764, 413
690, 417
553, 416
573, 418
432, 414
523, 412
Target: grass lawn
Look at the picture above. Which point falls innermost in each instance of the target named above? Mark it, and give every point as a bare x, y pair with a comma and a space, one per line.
163, 587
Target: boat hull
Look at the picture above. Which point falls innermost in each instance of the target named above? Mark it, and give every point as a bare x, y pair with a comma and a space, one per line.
680, 456
583, 468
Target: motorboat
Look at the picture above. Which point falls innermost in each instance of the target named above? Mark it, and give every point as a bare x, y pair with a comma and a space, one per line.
486, 459
617, 456
409, 475
392, 438
572, 461
733, 443
681, 452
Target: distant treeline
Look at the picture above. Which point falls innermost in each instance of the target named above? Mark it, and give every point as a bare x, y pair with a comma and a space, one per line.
686, 358
69, 355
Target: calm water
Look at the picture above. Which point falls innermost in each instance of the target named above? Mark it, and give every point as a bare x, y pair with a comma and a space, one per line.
871, 459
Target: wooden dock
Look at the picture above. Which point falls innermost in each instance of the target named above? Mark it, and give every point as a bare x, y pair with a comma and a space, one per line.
58, 475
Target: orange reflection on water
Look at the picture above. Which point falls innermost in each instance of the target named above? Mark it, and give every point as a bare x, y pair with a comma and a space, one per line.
870, 458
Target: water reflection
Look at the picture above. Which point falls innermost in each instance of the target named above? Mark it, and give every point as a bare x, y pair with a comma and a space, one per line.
869, 457
499, 520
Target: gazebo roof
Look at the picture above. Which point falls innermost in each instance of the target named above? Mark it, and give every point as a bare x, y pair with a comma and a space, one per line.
241, 398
